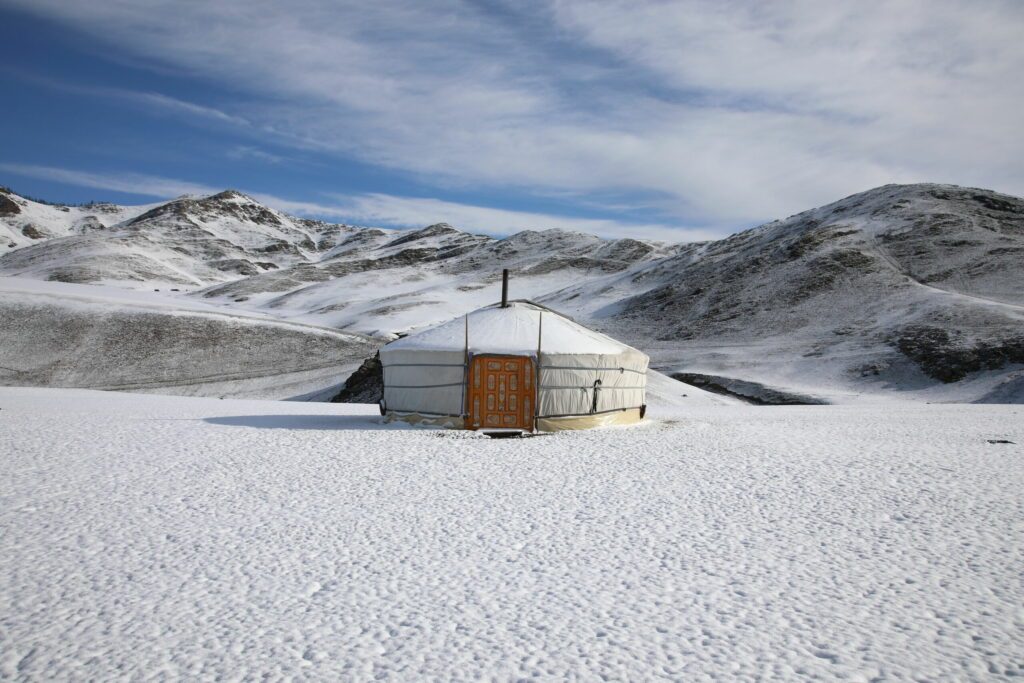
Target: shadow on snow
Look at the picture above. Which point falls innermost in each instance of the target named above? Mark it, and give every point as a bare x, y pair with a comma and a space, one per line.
320, 422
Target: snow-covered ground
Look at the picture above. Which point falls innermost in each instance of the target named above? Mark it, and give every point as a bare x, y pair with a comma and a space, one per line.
149, 536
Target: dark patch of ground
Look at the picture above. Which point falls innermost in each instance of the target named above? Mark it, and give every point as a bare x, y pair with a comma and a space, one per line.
365, 385
943, 357
8, 207
750, 392
32, 232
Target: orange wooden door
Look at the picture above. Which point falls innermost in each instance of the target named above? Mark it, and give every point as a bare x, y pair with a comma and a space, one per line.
502, 394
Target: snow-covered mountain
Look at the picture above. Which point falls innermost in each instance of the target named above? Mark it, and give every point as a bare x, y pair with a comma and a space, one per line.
914, 288
892, 288
230, 249
25, 222
381, 282
192, 242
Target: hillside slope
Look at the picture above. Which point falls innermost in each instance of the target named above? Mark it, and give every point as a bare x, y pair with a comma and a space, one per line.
900, 287
62, 335
394, 283
24, 222
192, 242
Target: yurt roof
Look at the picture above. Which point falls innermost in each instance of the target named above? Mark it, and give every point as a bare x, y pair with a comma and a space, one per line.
511, 330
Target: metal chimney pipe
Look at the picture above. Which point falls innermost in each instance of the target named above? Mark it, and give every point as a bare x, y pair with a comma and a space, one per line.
504, 288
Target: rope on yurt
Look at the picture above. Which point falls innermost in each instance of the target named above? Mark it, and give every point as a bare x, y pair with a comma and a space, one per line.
536, 383
465, 372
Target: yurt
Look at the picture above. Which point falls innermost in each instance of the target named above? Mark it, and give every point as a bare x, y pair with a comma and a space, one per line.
515, 367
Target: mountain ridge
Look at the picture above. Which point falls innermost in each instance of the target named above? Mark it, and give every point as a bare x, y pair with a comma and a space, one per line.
897, 288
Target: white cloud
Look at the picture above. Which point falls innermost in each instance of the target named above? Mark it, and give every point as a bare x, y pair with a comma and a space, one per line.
729, 112
175, 105
129, 183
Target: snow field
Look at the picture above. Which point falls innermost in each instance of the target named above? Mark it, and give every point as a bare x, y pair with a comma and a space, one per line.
151, 536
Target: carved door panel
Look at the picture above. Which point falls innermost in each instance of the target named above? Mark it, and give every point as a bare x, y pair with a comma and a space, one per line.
502, 394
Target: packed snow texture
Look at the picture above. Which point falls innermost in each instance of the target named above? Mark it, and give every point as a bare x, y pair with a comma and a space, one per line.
149, 536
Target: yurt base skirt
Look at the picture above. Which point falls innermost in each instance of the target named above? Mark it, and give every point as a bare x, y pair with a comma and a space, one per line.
619, 417
544, 424
445, 421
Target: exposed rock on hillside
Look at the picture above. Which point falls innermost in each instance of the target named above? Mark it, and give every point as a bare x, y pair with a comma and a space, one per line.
365, 385
8, 207
949, 357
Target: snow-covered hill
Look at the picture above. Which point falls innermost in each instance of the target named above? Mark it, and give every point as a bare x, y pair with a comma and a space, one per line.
66, 335
895, 288
25, 222
190, 242
393, 283
913, 288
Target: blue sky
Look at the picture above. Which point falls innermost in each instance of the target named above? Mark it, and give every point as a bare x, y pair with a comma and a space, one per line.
682, 120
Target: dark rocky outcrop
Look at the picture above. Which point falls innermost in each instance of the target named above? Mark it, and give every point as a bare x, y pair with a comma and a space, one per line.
942, 356
235, 265
365, 385
32, 232
8, 207
436, 230
747, 391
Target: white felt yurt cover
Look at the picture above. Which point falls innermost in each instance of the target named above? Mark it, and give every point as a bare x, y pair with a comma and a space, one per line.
425, 373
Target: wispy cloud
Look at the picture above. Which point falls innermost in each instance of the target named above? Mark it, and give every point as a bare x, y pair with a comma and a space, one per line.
128, 183
151, 100
255, 153
175, 105
731, 111
391, 211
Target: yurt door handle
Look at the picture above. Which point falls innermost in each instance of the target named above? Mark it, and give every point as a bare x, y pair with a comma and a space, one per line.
597, 390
